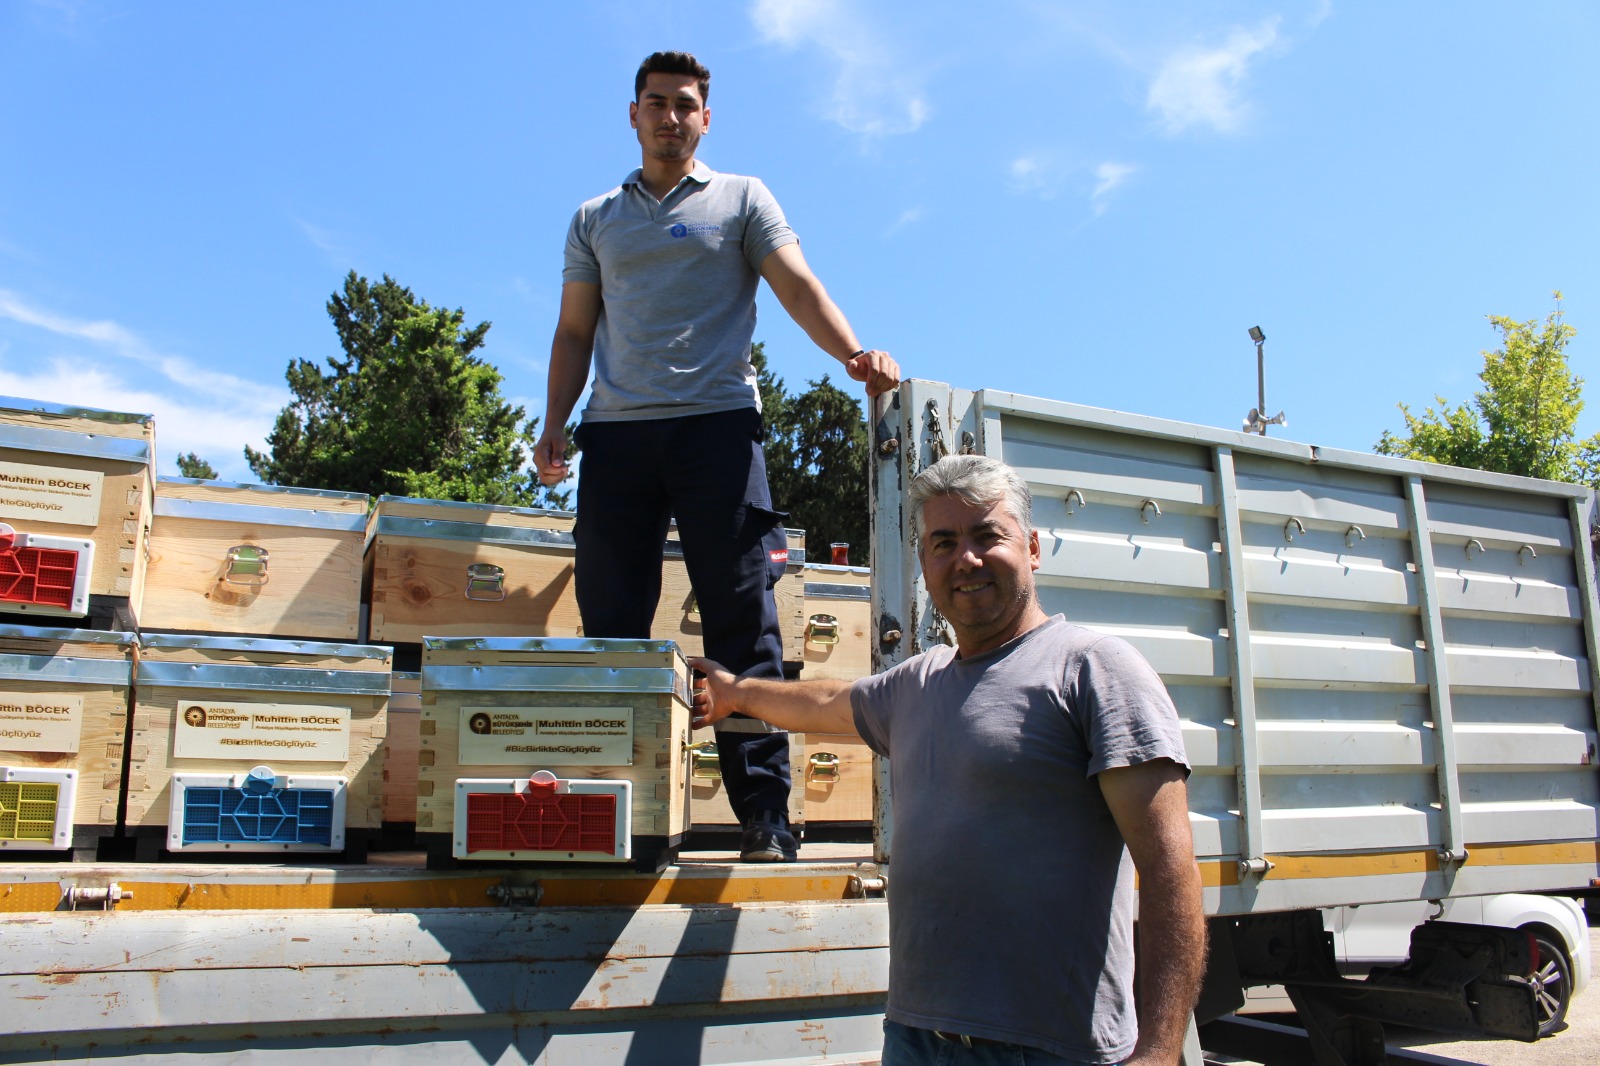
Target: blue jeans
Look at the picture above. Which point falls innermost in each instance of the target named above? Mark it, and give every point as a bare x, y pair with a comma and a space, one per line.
906, 1046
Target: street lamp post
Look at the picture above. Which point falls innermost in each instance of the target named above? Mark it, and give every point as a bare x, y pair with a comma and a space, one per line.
1257, 421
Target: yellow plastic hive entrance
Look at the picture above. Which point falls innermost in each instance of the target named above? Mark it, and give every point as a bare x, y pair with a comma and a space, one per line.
28, 811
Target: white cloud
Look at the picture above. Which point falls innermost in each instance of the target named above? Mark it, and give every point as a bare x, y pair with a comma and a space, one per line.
1034, 174
909, 217
1201, 86
327, 242
1108, 176
106, 365
872, 93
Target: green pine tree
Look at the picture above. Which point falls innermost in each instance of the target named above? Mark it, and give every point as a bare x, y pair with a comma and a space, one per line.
409, 409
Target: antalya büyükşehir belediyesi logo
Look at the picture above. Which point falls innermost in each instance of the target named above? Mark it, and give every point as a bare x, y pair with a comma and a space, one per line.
195, 716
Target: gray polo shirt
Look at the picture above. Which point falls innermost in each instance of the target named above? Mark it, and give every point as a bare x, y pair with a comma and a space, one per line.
678, 293
1011, 897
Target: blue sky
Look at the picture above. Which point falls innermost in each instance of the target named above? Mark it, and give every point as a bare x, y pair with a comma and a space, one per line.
1086, 201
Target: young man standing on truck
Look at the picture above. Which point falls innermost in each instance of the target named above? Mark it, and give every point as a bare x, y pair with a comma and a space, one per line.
658, 294
1034, 768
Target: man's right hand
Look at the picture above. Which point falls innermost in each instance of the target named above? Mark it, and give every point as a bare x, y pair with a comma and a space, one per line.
877, 369
550, 456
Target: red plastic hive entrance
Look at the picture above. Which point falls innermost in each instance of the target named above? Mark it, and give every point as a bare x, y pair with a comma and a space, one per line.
531, 822
37, 575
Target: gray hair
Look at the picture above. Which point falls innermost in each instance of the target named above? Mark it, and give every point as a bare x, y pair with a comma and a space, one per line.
974, 479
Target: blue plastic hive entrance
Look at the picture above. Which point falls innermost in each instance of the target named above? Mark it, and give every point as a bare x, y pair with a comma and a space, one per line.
28, 811
240, 816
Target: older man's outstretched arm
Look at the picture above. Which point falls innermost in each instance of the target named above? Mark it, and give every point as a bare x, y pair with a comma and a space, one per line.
799, 706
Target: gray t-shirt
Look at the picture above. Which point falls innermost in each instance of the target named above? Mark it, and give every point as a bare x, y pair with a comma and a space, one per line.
678, 293
1011, 896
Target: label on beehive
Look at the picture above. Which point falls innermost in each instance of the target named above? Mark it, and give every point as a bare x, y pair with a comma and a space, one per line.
210, 730
40, 723
546, 736
49, 494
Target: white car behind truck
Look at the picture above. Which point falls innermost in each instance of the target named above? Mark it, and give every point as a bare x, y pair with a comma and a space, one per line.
1386, 676
1366, 938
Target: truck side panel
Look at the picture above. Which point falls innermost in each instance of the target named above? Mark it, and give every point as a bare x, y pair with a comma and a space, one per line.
1384, 667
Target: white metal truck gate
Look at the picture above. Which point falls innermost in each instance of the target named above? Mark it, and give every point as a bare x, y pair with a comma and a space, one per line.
1384, 667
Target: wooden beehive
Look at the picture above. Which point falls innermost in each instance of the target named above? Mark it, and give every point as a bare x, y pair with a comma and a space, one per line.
441, 568
255, 560
837, 627
678, 614
81, 473
710, 810
833, 778
63, 722
209, 706
834, 773
535, 702
437, 568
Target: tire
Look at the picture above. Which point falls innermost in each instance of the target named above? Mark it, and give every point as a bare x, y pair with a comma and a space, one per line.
1552, 981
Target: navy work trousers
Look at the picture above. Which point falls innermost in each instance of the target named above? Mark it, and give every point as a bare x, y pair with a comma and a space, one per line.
706, 471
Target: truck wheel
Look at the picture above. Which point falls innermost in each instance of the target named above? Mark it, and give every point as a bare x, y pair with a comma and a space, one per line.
1552, 980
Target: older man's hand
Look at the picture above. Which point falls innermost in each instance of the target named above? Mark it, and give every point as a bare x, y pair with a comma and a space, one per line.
713, 691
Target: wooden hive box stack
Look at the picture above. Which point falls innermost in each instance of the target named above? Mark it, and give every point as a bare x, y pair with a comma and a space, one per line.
678, 615
710, 811
255, 560
63, 728
836, 771
74, 481
518, 734
437, 568
243, 745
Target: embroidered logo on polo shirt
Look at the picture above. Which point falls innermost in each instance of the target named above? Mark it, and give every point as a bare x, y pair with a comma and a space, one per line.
682, 230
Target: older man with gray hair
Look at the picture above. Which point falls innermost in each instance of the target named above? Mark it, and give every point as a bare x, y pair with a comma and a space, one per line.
1034, 768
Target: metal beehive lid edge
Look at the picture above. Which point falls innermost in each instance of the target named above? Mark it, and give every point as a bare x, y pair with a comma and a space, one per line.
83, 445
259, 514
472, 532
824, 590
248, 677
79, 636
294, 490
830, 568
503, 508
529, 679
488, 508
266, 645
553, 644
45, 407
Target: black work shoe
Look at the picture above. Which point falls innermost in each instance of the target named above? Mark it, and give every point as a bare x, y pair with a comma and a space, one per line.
767, 839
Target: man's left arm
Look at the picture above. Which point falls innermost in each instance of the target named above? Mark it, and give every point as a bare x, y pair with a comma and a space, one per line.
1150, 802
808, 303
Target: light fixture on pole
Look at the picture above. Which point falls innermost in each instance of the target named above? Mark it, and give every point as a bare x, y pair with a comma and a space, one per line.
1257, 421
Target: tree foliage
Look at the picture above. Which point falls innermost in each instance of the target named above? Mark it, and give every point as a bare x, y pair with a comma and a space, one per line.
1523, 421
816, 456
408, 410
191, 465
